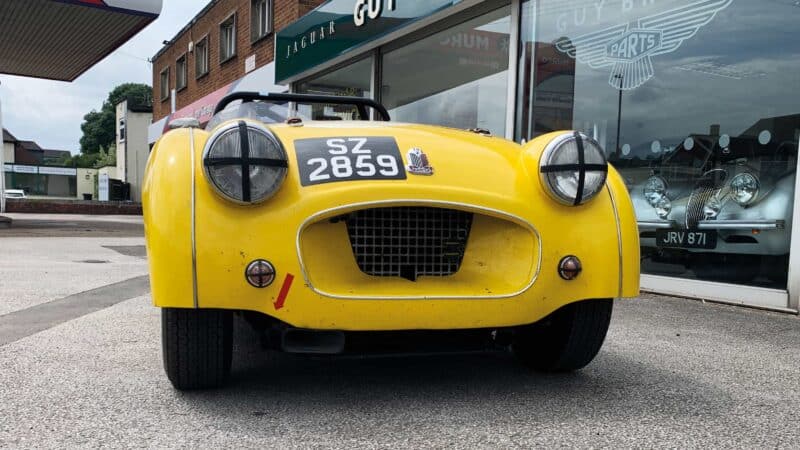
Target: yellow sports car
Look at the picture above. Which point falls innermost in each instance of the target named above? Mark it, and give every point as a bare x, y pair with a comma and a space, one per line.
333, 236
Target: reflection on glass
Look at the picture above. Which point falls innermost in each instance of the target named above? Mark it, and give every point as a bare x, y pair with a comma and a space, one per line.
456, 78
44, 185
698, 108
353, 80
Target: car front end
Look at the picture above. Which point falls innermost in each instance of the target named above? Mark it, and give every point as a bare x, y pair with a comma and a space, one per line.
384, 227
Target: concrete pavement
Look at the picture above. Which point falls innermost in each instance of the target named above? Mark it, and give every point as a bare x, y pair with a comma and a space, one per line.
673, 373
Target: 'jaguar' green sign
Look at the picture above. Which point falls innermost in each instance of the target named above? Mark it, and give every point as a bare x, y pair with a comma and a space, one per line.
341, 26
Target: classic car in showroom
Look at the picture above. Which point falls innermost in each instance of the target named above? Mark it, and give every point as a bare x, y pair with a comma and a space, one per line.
355, 236
721, 206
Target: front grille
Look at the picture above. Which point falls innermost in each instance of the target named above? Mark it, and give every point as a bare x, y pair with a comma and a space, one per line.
695, 208
706, 188
409, 242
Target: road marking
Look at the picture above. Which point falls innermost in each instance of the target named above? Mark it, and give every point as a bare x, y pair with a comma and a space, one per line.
137, 251
23, 323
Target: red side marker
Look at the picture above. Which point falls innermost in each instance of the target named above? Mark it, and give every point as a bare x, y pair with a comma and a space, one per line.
287, 284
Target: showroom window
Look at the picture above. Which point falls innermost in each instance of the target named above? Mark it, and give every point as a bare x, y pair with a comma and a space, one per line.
227, 39
698, 106
457, 77
354, 80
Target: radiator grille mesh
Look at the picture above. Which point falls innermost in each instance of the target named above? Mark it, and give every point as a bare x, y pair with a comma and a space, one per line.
409, 242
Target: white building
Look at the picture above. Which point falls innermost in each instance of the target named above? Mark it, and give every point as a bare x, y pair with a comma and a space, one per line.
133, 119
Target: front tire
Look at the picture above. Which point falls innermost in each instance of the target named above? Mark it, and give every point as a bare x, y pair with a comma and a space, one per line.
567, 339
197, 345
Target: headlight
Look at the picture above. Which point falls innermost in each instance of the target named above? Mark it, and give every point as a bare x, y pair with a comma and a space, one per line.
744, 188
244, 162
655, 188
712, 208
573, 168
663, 207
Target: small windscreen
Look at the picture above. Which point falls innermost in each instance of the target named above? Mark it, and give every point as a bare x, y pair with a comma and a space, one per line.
267, 112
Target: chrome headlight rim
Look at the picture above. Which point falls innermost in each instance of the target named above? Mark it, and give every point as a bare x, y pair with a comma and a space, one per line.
247, 125
755, 192
546, 168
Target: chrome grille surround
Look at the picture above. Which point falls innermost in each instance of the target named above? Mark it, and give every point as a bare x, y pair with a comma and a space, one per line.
697, 202
409, 241
707, 187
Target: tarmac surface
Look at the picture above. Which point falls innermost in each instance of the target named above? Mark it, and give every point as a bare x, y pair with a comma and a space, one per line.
672, 373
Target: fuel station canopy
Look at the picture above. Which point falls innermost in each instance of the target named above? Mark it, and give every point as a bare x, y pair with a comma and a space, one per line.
61, 39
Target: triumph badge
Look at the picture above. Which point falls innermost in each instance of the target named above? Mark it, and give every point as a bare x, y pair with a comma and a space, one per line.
418, 163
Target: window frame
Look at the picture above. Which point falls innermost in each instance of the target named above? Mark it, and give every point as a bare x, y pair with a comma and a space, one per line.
222, 24
164, 87
270, 26
202, 42
178, 87
121, 129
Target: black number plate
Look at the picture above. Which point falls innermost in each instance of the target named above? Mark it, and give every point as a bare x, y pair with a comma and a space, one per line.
686, 239
328, 160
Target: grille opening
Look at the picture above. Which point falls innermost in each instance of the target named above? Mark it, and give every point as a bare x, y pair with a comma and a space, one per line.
408, 242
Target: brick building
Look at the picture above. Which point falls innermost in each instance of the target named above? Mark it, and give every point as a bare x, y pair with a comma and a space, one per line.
224, 42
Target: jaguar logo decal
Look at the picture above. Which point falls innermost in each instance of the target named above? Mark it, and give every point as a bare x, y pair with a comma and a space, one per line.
630, 47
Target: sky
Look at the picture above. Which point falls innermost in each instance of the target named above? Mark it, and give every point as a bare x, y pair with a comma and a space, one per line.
51, 112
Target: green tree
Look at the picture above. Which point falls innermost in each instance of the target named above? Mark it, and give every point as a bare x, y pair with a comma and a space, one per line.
91, 160
99, 127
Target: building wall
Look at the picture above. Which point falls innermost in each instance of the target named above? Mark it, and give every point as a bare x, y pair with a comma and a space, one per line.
111, 171
122, 109
8, 152
86, 182
136, 151
284, 13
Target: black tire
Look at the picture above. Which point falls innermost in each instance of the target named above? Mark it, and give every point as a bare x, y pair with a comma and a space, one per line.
197, 345
567, 339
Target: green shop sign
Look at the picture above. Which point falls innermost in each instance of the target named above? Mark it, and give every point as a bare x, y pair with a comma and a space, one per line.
341, 26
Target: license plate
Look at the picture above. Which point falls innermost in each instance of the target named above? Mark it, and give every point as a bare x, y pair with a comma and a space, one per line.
686, 239
328, 160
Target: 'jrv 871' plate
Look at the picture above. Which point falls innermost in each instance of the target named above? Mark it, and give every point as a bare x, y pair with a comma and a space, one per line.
327, 160
687, 239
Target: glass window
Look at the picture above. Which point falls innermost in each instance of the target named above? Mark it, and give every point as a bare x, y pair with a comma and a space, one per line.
697, 103
201, 57
180, 72
457, 78
354, 80
121, 129
164, 84
227, 39
260, 19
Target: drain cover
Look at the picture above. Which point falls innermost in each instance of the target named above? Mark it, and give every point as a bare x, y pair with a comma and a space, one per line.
94, 261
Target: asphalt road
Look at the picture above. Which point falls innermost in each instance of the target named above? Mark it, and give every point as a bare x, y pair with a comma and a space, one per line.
673, 373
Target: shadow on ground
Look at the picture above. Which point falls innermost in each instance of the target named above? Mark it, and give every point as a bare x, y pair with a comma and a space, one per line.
452, 386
